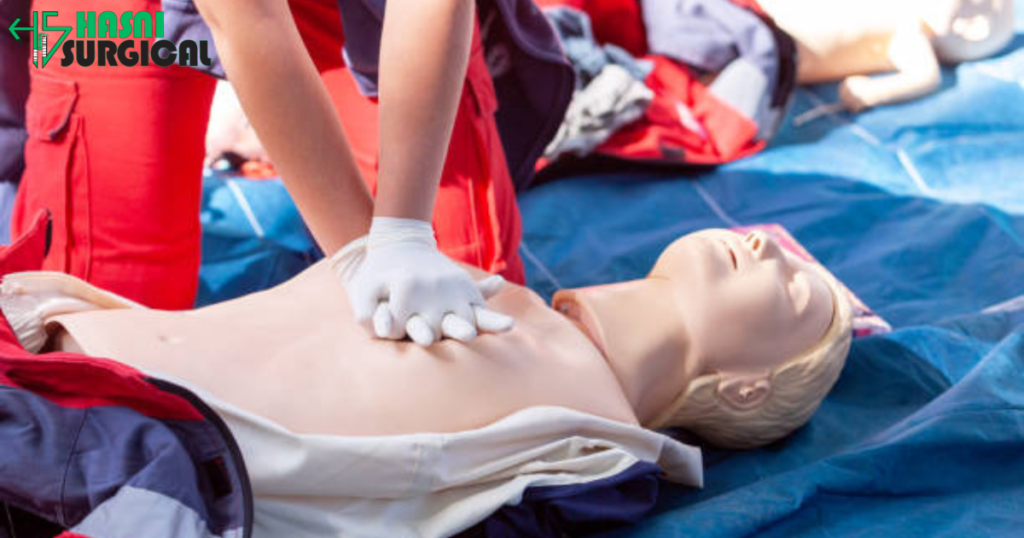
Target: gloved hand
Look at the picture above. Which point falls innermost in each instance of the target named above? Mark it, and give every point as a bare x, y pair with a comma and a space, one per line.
396, 277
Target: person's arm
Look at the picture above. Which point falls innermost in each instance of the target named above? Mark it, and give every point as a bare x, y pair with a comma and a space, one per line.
289, 107
404, 283
423, 58
394, 275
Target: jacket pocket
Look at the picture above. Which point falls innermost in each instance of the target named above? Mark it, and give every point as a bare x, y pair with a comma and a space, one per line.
56, 152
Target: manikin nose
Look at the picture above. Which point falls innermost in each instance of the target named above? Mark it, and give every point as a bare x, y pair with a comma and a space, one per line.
761, 245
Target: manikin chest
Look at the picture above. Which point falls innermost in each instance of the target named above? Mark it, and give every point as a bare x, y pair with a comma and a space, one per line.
294, 355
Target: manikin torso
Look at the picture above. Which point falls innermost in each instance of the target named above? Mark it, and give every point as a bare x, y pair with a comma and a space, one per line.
294, 355
714, 302
836, 39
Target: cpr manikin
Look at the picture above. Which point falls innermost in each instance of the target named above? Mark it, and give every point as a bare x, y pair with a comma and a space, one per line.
848, 40
728, 336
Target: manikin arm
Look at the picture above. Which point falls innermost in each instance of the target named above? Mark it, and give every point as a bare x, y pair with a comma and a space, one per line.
917, 73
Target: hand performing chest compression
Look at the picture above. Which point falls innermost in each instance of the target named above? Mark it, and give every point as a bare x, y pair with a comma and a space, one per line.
399, 283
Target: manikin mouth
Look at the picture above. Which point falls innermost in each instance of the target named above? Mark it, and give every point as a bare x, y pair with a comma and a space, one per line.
732, 254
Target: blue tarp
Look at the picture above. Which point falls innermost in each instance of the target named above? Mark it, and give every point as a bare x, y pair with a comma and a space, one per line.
919, 208
253, 237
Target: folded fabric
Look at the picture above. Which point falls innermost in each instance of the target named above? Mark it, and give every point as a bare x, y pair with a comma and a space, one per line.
610, 90
708, 34
721, 71
587, 56
436, 485
613, 99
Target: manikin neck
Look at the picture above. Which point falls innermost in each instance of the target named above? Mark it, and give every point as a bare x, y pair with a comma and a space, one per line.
636, 327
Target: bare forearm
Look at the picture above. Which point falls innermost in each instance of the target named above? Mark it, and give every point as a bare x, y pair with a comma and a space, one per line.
292, 114
424, 53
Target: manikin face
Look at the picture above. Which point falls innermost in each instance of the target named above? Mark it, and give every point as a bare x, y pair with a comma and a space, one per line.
746, 304
966, 30
716, 302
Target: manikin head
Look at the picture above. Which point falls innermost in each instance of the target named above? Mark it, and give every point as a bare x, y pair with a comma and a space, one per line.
729, 336
964, 30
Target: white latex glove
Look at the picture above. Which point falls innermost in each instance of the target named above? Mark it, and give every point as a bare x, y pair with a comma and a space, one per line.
397, 279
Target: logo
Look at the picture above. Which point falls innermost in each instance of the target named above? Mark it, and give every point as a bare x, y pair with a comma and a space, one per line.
89, 47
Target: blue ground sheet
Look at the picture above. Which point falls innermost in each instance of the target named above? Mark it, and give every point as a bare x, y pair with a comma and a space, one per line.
918, 208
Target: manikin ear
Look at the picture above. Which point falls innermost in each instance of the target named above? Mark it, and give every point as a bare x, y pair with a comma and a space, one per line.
744, 390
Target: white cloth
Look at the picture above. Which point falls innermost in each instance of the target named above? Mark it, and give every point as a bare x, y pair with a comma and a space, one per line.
432, 485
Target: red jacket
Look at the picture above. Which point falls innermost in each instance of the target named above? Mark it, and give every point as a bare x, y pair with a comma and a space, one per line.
92, 448
661, 137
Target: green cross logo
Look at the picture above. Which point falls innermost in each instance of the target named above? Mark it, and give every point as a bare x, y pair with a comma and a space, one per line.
41, 52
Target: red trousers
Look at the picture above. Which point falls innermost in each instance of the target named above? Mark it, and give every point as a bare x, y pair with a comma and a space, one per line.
115, 154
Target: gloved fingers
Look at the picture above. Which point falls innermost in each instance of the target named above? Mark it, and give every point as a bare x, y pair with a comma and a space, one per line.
463, 310
432, 301
460, 317
401, 302
420, 331
384, 325
490, 286
364, 302
363, 308
455, 327
491, 321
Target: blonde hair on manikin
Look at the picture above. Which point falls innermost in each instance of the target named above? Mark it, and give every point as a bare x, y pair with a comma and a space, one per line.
797, 388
